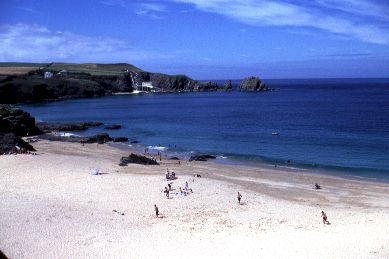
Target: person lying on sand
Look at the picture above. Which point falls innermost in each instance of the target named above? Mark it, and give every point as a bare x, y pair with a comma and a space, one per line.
324, 216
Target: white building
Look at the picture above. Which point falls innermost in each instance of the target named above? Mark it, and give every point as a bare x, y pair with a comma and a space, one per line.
48, 74
147, 86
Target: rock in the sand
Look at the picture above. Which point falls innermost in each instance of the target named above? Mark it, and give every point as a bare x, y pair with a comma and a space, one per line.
252, 84
120, 139
137, 159
100, 138
113, 127
174, 158
15, 123
14, 120
11, 144
201, 157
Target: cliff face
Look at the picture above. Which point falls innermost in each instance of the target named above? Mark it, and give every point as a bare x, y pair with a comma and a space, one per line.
177, 83
252, 84
170, 83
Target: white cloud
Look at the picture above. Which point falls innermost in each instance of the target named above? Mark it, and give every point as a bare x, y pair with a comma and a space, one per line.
149, 9
154, 7
34, 43
328, 15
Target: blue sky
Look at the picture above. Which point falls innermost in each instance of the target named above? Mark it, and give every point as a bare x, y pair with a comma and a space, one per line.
205, 39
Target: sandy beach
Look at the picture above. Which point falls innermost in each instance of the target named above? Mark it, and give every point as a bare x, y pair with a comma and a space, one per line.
51, 207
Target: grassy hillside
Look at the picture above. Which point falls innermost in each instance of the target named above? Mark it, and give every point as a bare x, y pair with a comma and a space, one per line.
94, 69
15, 68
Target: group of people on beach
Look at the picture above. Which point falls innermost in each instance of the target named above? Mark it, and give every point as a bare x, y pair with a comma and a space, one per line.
170, 176
184, 191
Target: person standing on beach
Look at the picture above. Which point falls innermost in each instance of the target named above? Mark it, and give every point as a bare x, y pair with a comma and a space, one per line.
239, 197
324, 216
167, 192
156, 210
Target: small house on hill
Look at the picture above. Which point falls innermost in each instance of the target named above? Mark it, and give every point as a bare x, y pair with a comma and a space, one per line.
63, 73
147, 87
47, 74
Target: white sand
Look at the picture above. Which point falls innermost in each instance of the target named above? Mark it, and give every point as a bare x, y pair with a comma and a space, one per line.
52, 208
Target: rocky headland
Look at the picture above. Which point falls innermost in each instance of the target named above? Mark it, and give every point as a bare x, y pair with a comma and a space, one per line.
55, 81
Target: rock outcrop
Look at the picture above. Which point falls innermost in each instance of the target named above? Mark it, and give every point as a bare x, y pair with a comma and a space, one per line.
58, 126
228, 86
252, 84
17, 121
12, 144
120, 139
137, 159
14, 124
112, 127
100, 138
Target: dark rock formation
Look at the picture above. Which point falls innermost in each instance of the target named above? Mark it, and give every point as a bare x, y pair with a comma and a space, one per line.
174, 158
135, 142
100, 138
120, 139
252, 84
112, 127
137, 159
10, 143
15, 123
13, 120
92, 123
206, 87
55, 126
228, 86
201, 157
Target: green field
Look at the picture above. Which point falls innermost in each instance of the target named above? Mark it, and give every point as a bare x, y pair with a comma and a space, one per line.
14, 68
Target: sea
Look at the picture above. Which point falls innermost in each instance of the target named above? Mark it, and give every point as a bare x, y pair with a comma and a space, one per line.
332, 126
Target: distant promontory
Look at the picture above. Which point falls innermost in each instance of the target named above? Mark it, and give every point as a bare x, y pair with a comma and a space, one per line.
39, 82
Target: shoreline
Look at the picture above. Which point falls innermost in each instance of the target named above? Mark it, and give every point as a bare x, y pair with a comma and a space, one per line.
338, 173
64, 211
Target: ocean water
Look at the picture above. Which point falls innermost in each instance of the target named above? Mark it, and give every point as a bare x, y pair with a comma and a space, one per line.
337, 125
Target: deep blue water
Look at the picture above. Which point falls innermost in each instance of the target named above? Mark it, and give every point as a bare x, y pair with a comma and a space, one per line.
340, 125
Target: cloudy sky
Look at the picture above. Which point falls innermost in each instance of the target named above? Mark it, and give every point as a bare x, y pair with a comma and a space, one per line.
205, 39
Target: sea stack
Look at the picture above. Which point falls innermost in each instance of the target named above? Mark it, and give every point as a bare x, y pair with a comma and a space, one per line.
228, 86
252, 84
